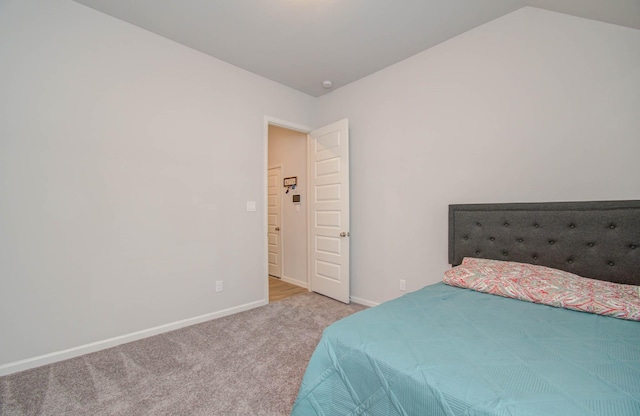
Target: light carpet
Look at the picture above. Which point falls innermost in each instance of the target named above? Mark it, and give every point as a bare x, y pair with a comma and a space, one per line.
249, 363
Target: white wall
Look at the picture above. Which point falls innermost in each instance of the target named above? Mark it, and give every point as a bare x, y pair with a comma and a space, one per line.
126, 161
288, 148
534, 106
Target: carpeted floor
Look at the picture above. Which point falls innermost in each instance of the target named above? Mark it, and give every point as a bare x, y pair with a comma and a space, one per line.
250, 363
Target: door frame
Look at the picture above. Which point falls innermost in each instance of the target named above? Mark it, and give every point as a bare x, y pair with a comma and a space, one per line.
273, 121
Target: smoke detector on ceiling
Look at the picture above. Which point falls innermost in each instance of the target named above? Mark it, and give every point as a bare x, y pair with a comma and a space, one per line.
327, 84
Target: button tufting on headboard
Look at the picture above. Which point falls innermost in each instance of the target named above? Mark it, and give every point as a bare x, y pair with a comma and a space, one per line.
572, 236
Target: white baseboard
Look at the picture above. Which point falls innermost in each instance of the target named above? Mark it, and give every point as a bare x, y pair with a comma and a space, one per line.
53, 357
364, 302
294, 282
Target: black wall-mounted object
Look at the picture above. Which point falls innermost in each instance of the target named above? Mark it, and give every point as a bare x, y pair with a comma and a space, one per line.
290, 181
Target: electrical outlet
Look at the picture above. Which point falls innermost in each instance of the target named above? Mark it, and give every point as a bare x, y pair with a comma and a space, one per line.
218, 285
403, 285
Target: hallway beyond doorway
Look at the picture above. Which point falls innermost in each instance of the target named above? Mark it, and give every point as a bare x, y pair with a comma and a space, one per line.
279, 289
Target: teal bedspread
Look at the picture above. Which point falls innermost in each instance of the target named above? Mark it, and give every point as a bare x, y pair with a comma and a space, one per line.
449, 351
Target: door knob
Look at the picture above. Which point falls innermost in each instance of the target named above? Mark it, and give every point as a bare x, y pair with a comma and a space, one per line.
277, 228
343, 234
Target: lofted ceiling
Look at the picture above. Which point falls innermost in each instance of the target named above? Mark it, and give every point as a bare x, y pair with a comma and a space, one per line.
301, 43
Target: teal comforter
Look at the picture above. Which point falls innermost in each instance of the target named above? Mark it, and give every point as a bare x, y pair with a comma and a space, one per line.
451, 351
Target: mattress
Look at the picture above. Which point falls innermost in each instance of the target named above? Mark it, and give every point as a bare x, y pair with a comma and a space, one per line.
450, 351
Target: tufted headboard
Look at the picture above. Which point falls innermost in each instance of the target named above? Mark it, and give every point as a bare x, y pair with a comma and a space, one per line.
600, 240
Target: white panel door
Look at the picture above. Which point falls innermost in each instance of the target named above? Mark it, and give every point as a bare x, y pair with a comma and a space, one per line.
274, 182
329, 210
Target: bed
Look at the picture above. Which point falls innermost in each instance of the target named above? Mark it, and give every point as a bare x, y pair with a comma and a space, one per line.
447, 350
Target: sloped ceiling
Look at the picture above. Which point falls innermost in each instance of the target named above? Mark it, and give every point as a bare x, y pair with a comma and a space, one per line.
301, 43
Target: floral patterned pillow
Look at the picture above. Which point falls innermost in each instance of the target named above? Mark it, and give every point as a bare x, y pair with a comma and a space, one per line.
548, 286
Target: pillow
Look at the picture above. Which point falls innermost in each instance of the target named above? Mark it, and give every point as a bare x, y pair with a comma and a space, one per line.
539, 284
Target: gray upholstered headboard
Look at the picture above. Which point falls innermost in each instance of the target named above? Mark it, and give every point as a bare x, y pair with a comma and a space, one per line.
600, 240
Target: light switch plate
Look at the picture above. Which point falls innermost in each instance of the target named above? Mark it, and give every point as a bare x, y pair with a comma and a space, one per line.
251, 205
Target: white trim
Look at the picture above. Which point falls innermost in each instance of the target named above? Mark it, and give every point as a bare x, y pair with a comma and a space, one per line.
268, 120
364, 302
53, 357
265, 207
309, 176
294, 282
287, 125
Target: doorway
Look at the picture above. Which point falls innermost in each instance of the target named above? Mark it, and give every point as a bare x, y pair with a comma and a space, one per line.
287, 205
319, 250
